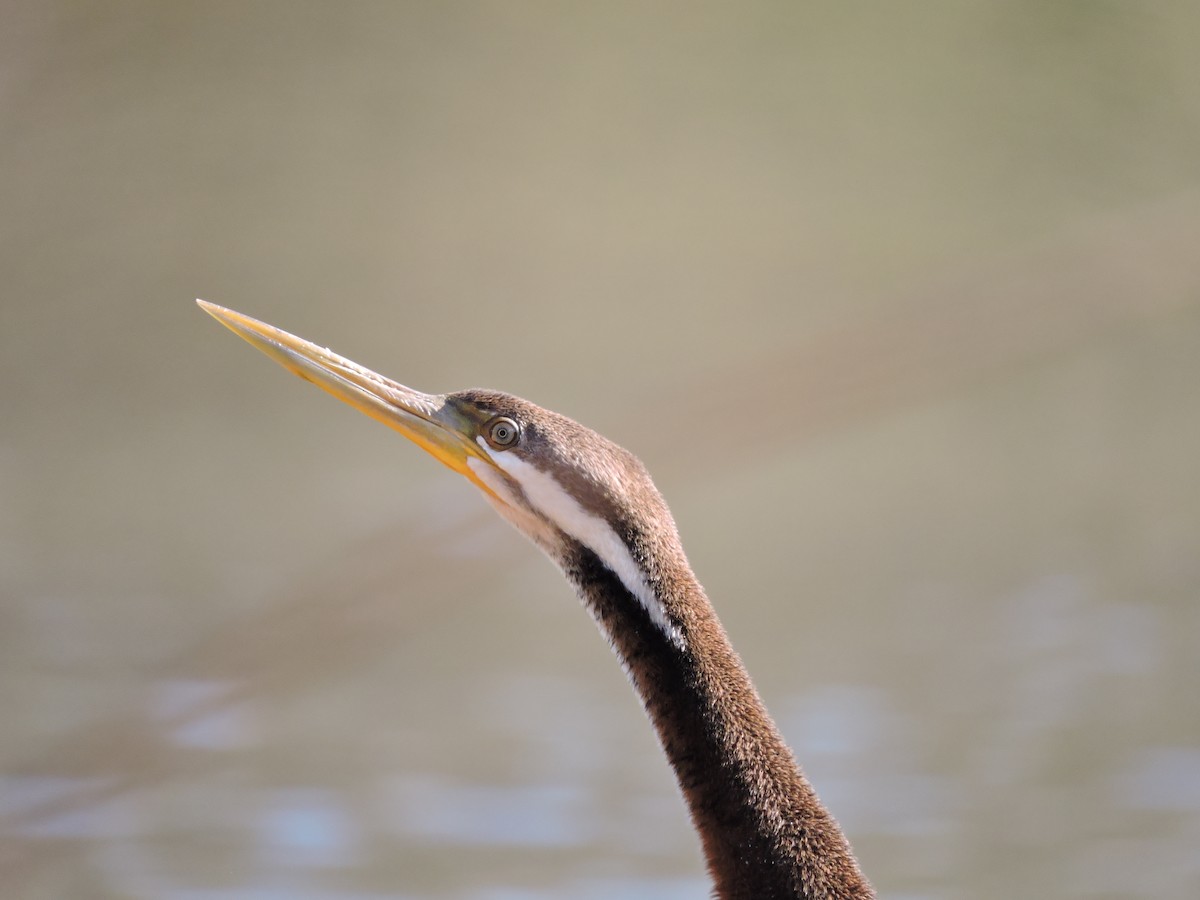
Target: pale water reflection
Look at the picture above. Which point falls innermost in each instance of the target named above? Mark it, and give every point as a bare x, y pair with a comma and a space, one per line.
308, 827
433, 809
204, 714
25, 794
598, 888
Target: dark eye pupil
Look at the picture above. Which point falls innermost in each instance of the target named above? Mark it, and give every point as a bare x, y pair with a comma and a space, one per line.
503, 433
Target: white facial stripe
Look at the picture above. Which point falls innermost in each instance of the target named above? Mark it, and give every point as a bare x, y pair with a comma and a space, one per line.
508, 507
552, 500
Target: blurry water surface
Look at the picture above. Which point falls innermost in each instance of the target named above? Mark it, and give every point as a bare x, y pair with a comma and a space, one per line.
900, 305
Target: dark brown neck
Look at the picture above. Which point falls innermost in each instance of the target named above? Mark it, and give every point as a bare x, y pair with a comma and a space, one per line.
764, 831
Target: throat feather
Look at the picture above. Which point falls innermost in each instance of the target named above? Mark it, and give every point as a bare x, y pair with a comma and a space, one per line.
550, 500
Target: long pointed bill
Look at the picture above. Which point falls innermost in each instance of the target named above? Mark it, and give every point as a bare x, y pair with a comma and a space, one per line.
424, 419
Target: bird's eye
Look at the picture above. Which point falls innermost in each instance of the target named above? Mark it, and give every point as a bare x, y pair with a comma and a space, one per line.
502, 433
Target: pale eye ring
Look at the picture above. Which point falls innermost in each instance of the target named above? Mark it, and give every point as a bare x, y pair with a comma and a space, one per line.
502, 432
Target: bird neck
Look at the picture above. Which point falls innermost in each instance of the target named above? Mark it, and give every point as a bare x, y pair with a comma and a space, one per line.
764, 831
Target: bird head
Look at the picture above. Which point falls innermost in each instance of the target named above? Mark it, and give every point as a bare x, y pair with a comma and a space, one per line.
564, 486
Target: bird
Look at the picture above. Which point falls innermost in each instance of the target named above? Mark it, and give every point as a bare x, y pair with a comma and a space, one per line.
591, 506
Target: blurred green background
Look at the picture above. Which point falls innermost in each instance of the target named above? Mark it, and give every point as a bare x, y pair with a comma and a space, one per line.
899, 302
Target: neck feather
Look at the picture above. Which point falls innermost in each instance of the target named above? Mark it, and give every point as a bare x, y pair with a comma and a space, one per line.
764, 831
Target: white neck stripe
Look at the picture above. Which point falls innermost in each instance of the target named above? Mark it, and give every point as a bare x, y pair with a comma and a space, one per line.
544, 492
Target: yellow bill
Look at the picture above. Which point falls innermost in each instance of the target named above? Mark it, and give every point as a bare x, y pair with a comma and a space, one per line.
425, 419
